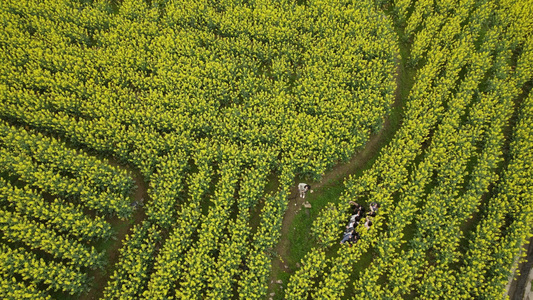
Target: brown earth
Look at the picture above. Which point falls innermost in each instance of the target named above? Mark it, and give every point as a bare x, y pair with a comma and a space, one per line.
520, 288
123, 227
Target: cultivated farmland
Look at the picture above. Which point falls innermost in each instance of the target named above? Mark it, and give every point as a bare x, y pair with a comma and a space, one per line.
153, 149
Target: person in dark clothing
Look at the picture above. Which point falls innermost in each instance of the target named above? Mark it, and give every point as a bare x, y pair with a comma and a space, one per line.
354, 206
355, 238
347, 236
350, 225
374, 206
362, 210
355, 218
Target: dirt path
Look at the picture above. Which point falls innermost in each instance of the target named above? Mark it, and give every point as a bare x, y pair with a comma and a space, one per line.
520, 288
338, 172
358, 161
101, 277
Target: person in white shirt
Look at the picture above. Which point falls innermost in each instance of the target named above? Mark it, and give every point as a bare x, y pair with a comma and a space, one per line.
368, 223
303, 188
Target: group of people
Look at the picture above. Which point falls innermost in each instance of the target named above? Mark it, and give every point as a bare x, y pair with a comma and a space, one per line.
350, 235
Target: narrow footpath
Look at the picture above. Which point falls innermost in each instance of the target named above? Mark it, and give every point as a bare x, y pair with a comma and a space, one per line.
122, 227
360, 161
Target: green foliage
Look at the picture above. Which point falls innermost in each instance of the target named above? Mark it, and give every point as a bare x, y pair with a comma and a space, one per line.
62, 216
56, 275
136, 258
10, 288
438, 194
17, 228
50, 166
210, 99
326, 226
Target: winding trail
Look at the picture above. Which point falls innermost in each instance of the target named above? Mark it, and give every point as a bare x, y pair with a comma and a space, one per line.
296, 203
357, 162
404, 78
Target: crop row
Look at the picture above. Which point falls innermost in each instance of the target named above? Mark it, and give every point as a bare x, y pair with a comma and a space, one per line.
64, 217
448, 205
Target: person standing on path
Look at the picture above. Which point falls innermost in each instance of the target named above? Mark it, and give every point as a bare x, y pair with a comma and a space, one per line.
303, 188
